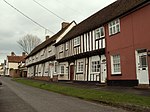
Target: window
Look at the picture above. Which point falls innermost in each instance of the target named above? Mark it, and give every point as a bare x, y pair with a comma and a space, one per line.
76, 41
66, 46
95, 66
114, 27
49, 49
80, 66
55, 67
116, 66
61, 48
36, 56
42, 52
143, 61
99, 33
62, 69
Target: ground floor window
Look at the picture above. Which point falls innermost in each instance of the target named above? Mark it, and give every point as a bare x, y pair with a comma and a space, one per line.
95, 66
115, 63
62, 69
80, 66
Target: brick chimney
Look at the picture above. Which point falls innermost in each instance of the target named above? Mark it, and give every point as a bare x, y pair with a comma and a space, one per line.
47, 37
12, 54
64, 24
23, 54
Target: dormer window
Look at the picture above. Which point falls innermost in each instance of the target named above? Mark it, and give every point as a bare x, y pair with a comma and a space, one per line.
76, 41
114, 27
49, 49
42, 52
66, 46
61, 48
99, 33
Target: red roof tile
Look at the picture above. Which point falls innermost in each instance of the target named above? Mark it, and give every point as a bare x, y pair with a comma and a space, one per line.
16, 59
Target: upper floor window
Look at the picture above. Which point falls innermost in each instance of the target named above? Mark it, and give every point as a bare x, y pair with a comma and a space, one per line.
99, 33
49, 49
76, 41
80, 66
66, 46
42, 52
36, 56
115, 63
61, 48
114, 27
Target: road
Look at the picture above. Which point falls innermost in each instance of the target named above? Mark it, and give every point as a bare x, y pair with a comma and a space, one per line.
15, 97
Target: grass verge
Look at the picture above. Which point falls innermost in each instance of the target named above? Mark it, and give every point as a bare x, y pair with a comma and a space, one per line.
128, 101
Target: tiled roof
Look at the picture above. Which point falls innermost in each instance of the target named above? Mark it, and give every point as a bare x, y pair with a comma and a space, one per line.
110, 12
48, 41
16, 59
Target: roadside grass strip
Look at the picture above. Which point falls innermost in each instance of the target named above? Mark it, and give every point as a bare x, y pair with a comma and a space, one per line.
125, 100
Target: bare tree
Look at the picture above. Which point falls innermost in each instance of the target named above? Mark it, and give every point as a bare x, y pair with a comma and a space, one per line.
28, 42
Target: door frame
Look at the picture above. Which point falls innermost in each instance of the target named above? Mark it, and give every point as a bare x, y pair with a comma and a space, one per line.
71, 72
137, 52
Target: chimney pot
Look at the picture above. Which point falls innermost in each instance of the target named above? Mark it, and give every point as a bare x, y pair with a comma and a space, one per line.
23, 54
12, 54
64, 24
47, 37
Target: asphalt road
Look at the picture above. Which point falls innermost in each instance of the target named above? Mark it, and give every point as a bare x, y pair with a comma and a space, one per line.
15, 97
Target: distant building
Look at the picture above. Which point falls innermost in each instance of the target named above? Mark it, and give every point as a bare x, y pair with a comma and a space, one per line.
2, 69
13, 63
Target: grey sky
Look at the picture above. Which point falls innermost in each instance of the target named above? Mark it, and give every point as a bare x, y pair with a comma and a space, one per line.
13, 25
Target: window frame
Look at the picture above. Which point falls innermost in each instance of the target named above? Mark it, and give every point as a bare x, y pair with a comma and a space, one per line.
114, 27
115, 64
61, 48
97, 65
99, 31
80, 66
76, 41
66, 46
62, 66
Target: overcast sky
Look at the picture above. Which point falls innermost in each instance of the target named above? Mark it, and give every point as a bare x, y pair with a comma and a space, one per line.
13, 25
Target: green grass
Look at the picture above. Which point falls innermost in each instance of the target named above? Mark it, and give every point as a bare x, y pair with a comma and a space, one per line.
112, 98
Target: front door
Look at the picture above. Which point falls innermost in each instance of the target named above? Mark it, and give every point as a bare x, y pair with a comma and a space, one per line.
71, 72
142, 68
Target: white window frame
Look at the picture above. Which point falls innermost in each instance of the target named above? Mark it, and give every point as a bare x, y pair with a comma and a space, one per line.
76, 41
99, 33
55, 67
96, 67
42, 52
62, 71
115, 64
80, 66
114, 27
49, 48
61, 48
66, 46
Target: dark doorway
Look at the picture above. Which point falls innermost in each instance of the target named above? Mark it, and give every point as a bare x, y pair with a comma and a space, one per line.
71, 72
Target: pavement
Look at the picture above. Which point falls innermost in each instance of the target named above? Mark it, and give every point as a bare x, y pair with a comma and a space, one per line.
10, 102
16, 97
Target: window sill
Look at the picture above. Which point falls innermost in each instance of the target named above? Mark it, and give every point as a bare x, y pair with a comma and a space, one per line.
79, 73
116, 74
99, 38
111, 35
76, 46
